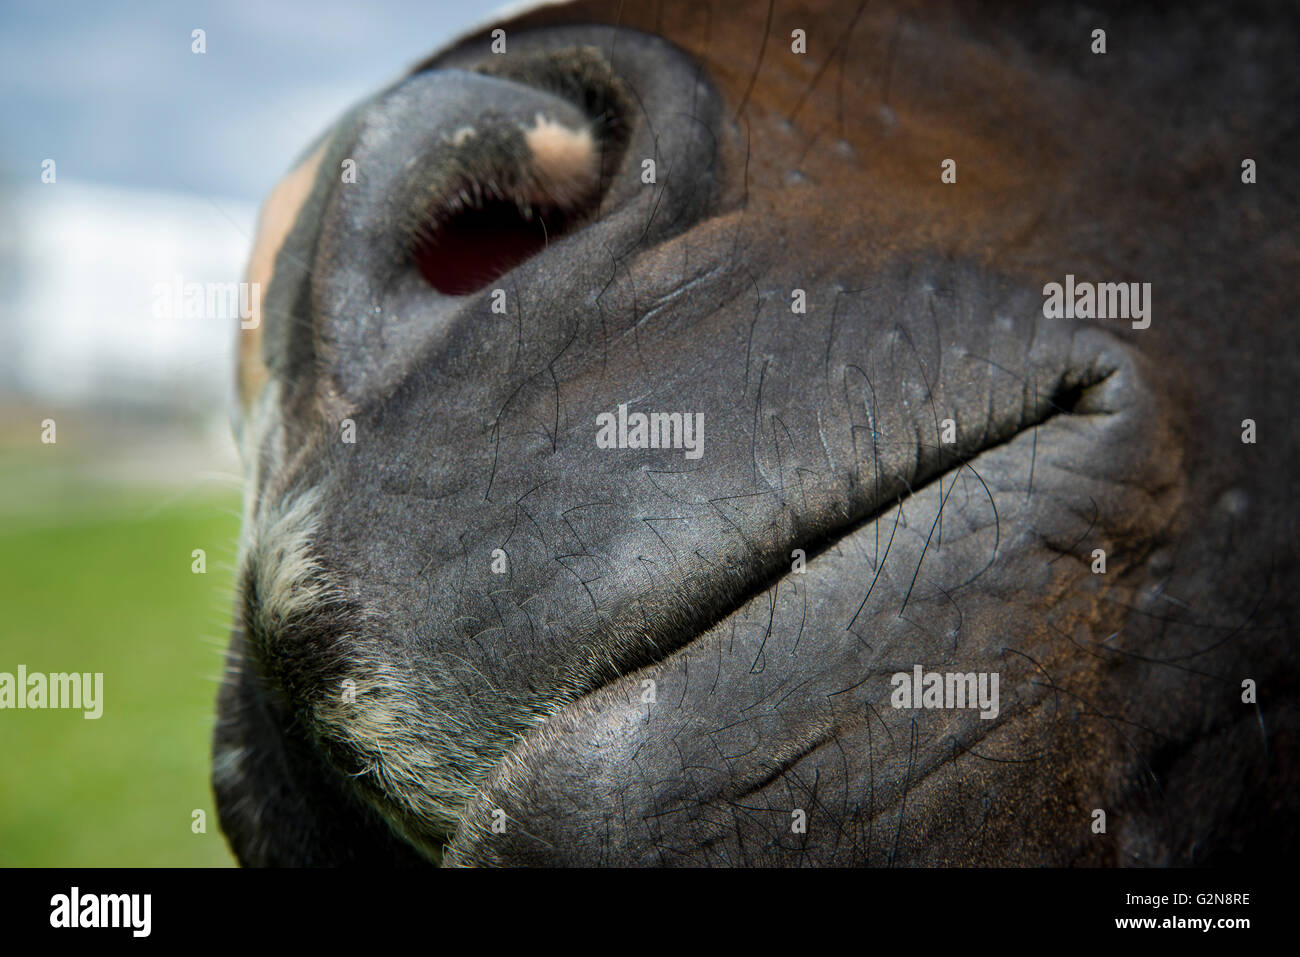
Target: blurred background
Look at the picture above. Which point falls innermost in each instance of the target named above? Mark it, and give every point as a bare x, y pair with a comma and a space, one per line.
128, 159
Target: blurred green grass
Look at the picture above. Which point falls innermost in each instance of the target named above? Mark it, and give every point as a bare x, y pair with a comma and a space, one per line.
95, 576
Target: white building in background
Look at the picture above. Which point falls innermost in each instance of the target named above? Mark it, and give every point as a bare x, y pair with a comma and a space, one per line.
80, 265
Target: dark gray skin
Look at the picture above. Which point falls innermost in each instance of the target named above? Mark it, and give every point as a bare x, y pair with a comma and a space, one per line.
520, 697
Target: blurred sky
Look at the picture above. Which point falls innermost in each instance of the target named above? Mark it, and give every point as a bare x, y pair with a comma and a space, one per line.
113, 92
162, 157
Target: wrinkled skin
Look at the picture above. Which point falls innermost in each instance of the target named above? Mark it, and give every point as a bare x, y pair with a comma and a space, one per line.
409, 696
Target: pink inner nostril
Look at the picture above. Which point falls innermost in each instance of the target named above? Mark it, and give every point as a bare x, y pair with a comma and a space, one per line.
468, 250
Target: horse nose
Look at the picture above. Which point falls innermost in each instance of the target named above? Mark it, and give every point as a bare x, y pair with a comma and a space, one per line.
465, 171
462, 176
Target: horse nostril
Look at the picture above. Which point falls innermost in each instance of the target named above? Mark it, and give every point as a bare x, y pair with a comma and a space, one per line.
529, 168
464, 172
509, 204
461, 175
467, 251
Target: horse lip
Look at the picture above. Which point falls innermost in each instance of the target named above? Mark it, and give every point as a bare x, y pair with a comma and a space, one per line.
1064, 402
565, 766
